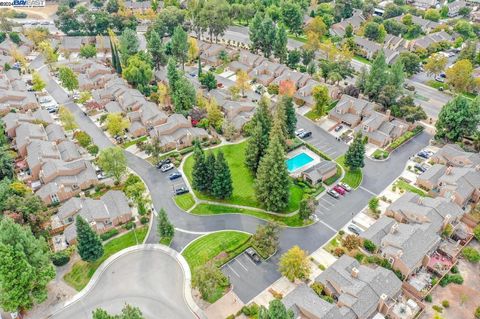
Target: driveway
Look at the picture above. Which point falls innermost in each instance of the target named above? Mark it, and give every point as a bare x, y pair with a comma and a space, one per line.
149, 279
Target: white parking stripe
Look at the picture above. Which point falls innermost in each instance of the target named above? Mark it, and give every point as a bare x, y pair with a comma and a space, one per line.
323, 206
331, 228
248, 258
328, 204
367, 190
238, 261
233, 270
331, 204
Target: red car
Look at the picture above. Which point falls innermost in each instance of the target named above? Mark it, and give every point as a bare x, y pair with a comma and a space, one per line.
339, 190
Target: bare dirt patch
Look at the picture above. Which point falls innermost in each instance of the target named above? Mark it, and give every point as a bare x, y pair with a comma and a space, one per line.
463, 299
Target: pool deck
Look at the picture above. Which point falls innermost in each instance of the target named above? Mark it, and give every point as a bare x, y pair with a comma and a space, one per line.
303, 149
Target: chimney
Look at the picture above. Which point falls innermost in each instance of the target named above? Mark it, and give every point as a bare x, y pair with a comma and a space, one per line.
449, 170
394, 228
382, 304
388, 114
354, 272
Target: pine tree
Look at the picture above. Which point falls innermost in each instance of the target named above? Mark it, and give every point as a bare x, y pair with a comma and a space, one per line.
199, 173
280, 45
397, 76
89, 245
199, 67
222, 181
279, 128
114, 57
164, 227
256, 147
272, 185
210, 170
354, 157
290, 116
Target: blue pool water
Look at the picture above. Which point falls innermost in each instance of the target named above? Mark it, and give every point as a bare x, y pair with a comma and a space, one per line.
298, 161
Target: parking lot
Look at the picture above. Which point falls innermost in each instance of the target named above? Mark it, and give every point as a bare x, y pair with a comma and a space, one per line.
248, 279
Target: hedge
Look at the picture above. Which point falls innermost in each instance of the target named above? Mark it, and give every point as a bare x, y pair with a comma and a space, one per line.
109, 234
60, 258
405, 137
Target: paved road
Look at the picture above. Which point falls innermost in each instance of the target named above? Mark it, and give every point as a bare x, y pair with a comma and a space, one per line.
150, 279
376, 177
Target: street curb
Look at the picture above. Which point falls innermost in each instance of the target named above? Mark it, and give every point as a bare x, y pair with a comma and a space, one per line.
187, 276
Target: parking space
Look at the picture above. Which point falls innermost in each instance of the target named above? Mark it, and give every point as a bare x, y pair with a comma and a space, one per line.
248, 278
326, 203
327, 148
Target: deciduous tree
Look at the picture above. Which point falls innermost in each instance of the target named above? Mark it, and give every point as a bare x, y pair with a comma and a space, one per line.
88, 51
294, 264
113, 161
68, 78
242, 81
265, 238
458, 118
116, 124
436, 64
208, 279
459, 76
137, 72
67, 118
322, 99
38, 83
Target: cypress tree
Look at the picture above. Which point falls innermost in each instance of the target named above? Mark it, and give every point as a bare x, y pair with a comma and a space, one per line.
354, 157
256, 147
222, 181
165, 228
377, 77
210, 171
279, 128
272, 185
114, 57
290, 116
89, 245
199, 173
199, 68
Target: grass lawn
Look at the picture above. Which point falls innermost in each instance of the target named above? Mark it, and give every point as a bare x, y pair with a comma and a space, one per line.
334, 243
243, 182
227, 243
82, 271
133, 142
312, 115
209, 209
352, 178
436, 85
361, 59
185, 201
410, 188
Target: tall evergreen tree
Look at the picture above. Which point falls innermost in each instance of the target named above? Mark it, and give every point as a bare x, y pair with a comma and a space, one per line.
377, 77
156, 49
222, 181
256, 147
397, 75
180, 45
280, 46
290, 116
210, 170
89, 244
354, 157
164, 227
199, 68
172, 74
279, 128
272, 185
199, 173
255, 29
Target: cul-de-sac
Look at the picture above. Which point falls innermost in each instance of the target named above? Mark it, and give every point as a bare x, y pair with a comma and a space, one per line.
240, 159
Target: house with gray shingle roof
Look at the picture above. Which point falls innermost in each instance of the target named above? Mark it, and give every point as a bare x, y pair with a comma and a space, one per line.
238, 112
426, 41
18, 99
360, 291
454, 7
319, 172
102, 214
355, 21
460, 184
267, 71
454, 155
351, 111
381, 129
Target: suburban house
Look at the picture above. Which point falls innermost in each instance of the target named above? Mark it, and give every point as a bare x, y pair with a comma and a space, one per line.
267, 71
177, 132
63, 180
210, 53
319, 172
454, 155
351, 111
303, 95
424, 4
246, 61
381, 129
18, 99
460, 184
426, 25
237, 112
454, 7
14, 120
297, 78
426, 41
138, 6
338, 29
102, 214
73, 43
369, 49
359, 292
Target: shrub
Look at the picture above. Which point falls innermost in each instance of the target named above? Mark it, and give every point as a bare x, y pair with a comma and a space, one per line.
437, 308
144, 220
92, 149
83, 138
251, 310
369, 245
471, 254
428, 298
322, 267
317, 287
477, 313
129, 225
109, 234
60, 258
456, 279
454, 269
445, 304
351, 242
328, 299
341, 232
476, 232
338, 252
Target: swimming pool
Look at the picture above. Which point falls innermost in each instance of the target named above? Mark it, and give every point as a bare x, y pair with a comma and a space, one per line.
298, 161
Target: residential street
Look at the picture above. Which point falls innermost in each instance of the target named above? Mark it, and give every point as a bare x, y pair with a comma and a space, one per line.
149, 279
377, 175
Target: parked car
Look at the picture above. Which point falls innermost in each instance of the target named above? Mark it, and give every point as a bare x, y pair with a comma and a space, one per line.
354, 229
333, 193
305, 134
101, 175
409, 87
338, 128
299, 131
253, 255
420, 168
174, 176
181, 190
339, 190
163, 162
423, 154
345, 186
167, 167
44, 99
193, 74
219, 85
